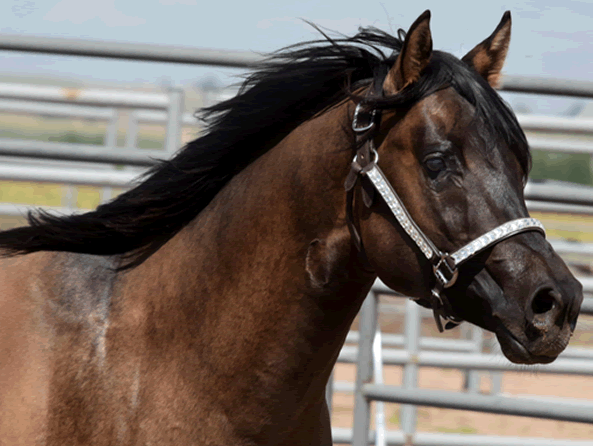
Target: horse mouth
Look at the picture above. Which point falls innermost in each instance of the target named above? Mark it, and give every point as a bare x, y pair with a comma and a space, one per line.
516, 352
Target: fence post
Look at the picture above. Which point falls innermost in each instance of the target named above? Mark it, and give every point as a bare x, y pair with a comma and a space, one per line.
412, 328
132, 133
495, 376
174, 121
364, 370
473, 377
378, 377
70, 197
329, 392
111, 142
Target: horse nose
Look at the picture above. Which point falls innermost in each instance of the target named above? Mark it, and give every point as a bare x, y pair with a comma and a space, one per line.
551, 315
546, 308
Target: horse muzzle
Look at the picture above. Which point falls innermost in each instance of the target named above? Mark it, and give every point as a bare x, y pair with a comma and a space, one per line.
527, 297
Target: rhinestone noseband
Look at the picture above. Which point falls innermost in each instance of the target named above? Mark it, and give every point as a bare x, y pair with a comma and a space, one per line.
444, 265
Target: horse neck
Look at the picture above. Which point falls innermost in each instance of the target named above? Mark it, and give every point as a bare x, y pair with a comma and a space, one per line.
267, 272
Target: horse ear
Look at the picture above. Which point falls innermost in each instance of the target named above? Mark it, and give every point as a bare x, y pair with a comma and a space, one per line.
413, 58
487, 58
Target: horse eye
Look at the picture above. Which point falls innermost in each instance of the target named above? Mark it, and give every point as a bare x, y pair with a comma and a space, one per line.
435, 165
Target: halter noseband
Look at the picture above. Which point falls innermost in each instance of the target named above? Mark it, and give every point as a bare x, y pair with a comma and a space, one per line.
444, 265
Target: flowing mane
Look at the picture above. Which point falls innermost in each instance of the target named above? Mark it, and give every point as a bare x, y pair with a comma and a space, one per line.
288, 88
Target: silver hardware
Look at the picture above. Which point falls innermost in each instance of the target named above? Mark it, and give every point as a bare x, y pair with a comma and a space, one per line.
355, 120
373, 152
447, 280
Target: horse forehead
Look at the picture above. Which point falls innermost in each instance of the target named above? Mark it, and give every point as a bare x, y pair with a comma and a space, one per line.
439, 115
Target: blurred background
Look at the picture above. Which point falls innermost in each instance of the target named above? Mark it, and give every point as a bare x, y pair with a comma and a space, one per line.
137, 110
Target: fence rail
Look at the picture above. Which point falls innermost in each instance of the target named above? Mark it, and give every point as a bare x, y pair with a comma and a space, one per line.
562, 411
129, 51
236, 59
399, 438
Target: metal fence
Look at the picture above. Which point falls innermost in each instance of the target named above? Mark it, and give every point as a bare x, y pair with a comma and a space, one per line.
49, 162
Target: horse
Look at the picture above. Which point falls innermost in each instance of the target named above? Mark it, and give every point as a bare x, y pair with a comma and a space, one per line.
208, 304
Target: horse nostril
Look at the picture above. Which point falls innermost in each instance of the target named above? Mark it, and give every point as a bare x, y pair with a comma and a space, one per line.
545, 300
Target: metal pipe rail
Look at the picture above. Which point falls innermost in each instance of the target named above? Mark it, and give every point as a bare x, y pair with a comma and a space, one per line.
86, 96
393, 340
560, 208
79, 152
556, 124
161, 118
470, 361
559, 192
562, 411
398, 438
115, 178
449, 345
16, 210
71, 111
547, 86
560, 145
236, 59
129, 51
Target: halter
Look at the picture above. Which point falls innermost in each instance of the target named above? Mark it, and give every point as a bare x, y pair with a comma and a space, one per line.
444, 265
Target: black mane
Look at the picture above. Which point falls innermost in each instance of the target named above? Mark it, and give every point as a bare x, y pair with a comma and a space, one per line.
288, 88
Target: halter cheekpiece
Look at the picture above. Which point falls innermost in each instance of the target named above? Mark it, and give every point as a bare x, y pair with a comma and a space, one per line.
444, 265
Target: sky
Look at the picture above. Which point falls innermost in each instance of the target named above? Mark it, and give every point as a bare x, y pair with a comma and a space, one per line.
549, 38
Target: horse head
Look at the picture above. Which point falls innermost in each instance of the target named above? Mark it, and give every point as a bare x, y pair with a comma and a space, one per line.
458, 159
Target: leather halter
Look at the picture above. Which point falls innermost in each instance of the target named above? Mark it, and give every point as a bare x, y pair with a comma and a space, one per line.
365, 123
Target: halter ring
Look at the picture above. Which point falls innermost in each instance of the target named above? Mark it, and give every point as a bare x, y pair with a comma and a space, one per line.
373, 152
363, 128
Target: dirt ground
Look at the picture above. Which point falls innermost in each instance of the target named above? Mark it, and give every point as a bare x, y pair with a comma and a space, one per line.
527, 383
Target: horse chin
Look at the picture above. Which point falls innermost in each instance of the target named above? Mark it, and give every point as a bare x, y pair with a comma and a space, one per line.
517, 352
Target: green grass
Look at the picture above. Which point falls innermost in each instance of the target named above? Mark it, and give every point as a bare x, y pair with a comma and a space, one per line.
578, 228
573, 167
395, 418
457, 430
75, 138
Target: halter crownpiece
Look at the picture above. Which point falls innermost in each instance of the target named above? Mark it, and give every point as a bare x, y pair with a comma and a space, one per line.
444, 265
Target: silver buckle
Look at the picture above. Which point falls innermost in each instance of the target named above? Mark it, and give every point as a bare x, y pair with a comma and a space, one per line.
449, 277
355, 119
